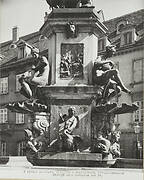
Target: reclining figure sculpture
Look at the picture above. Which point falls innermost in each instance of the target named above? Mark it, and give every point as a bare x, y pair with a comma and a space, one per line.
105, 74
38, 77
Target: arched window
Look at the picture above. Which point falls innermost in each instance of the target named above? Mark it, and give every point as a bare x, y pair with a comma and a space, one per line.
120, 25
13, 46
42, 37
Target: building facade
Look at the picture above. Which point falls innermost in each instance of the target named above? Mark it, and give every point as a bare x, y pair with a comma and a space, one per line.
126, 32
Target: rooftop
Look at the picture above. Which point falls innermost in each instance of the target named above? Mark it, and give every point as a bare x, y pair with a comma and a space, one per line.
134, 18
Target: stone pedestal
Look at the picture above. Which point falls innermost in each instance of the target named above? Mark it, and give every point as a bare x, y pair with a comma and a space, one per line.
74, 88
88, 29
60, 98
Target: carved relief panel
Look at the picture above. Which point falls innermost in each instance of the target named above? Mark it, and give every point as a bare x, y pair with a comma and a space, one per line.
71, 65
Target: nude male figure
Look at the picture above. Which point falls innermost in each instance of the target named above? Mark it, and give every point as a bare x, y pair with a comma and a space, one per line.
105, 74
38, 77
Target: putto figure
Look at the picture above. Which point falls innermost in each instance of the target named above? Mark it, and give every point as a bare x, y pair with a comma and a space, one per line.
115, 146
38, 77
105, 74
36, 136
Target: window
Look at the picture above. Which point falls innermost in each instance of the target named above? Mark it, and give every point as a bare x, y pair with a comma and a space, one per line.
3, 148
18, 85
21, 148
21, 52
120, 25
127, 38
19, 118
13, 46
119, 28
42, 37
3, 116
4, 85
101, 45
138, 69
138, 115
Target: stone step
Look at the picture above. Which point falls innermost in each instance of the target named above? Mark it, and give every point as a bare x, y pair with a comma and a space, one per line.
72, 156
18, 161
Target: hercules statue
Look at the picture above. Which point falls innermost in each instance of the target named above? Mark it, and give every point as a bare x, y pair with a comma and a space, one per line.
69, 3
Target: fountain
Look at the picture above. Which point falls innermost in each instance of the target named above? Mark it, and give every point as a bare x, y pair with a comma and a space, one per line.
74, 121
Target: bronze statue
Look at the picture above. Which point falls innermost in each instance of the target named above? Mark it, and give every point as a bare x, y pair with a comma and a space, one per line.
67, 142
69, 3
38, 77
105, 74
55, 3
69, 123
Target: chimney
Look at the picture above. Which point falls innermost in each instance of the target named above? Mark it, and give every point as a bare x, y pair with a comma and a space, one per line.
45, 17
15, 34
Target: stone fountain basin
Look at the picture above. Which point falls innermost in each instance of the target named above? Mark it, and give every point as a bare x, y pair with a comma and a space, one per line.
72, 159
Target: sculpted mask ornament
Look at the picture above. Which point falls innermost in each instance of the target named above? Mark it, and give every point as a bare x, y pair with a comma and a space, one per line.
71, 30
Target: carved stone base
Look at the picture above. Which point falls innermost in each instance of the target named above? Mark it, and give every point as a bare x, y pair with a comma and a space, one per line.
72, 159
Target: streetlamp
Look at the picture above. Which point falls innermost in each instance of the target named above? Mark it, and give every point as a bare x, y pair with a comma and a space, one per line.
138, 144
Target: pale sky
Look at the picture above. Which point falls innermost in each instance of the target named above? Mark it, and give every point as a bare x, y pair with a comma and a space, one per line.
28, 14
